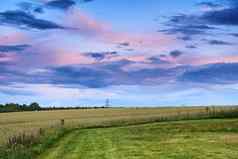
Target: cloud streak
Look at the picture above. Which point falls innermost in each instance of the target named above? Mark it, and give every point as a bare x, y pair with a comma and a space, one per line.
23, 19
13, 48
61, 4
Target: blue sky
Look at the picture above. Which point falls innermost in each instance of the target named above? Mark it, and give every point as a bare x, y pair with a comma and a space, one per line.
136, 53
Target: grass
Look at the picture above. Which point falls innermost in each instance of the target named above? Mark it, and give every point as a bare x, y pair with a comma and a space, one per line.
26, 135
197, 139
24, 150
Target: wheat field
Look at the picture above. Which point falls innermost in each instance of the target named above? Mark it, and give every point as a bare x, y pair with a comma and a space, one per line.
29, 122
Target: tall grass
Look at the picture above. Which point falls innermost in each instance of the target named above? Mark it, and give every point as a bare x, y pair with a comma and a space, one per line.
29, 146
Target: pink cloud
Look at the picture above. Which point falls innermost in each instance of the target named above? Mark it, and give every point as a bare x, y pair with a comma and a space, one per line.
201, 60
71, 58
8, 58
85, 24
43, 54
14, 37
2, 77
103, 32
10, 37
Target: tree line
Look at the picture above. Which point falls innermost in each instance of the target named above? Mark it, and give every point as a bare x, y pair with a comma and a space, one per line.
14, 107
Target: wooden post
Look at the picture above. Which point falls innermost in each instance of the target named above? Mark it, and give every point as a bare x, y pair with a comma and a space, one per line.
62, 122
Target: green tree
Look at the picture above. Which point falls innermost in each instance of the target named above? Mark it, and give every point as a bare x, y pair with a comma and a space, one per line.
35, 106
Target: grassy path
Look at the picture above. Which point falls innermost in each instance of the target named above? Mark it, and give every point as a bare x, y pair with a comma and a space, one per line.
213, 139
82, 144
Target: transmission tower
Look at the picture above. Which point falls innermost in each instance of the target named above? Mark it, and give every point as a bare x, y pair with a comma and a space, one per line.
107, 103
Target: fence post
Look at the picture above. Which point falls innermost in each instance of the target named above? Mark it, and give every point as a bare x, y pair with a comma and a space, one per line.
62, 122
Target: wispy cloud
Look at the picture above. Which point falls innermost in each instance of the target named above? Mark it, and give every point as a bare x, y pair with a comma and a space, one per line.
100, 31
11, 48
176, 53
61, 4
22, 19
218, 42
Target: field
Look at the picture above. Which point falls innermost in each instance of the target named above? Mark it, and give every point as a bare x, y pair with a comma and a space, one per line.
166, 133
200, 139
14, 123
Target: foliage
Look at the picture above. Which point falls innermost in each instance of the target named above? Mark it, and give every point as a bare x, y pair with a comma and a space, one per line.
13, 107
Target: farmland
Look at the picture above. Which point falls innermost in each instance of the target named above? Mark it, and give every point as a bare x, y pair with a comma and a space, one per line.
127, 132
13, 123
213, 139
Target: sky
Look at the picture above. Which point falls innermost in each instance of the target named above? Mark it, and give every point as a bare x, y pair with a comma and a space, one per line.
134, 53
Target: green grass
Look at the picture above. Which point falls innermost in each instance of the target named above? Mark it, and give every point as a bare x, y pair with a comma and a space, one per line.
197, 139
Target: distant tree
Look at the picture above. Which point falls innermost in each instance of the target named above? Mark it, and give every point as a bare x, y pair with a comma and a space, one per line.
35, 106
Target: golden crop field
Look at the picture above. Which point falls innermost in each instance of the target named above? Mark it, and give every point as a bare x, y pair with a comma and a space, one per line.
28, 122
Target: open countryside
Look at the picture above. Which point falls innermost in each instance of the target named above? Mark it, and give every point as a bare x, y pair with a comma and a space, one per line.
189, 132
118, 79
